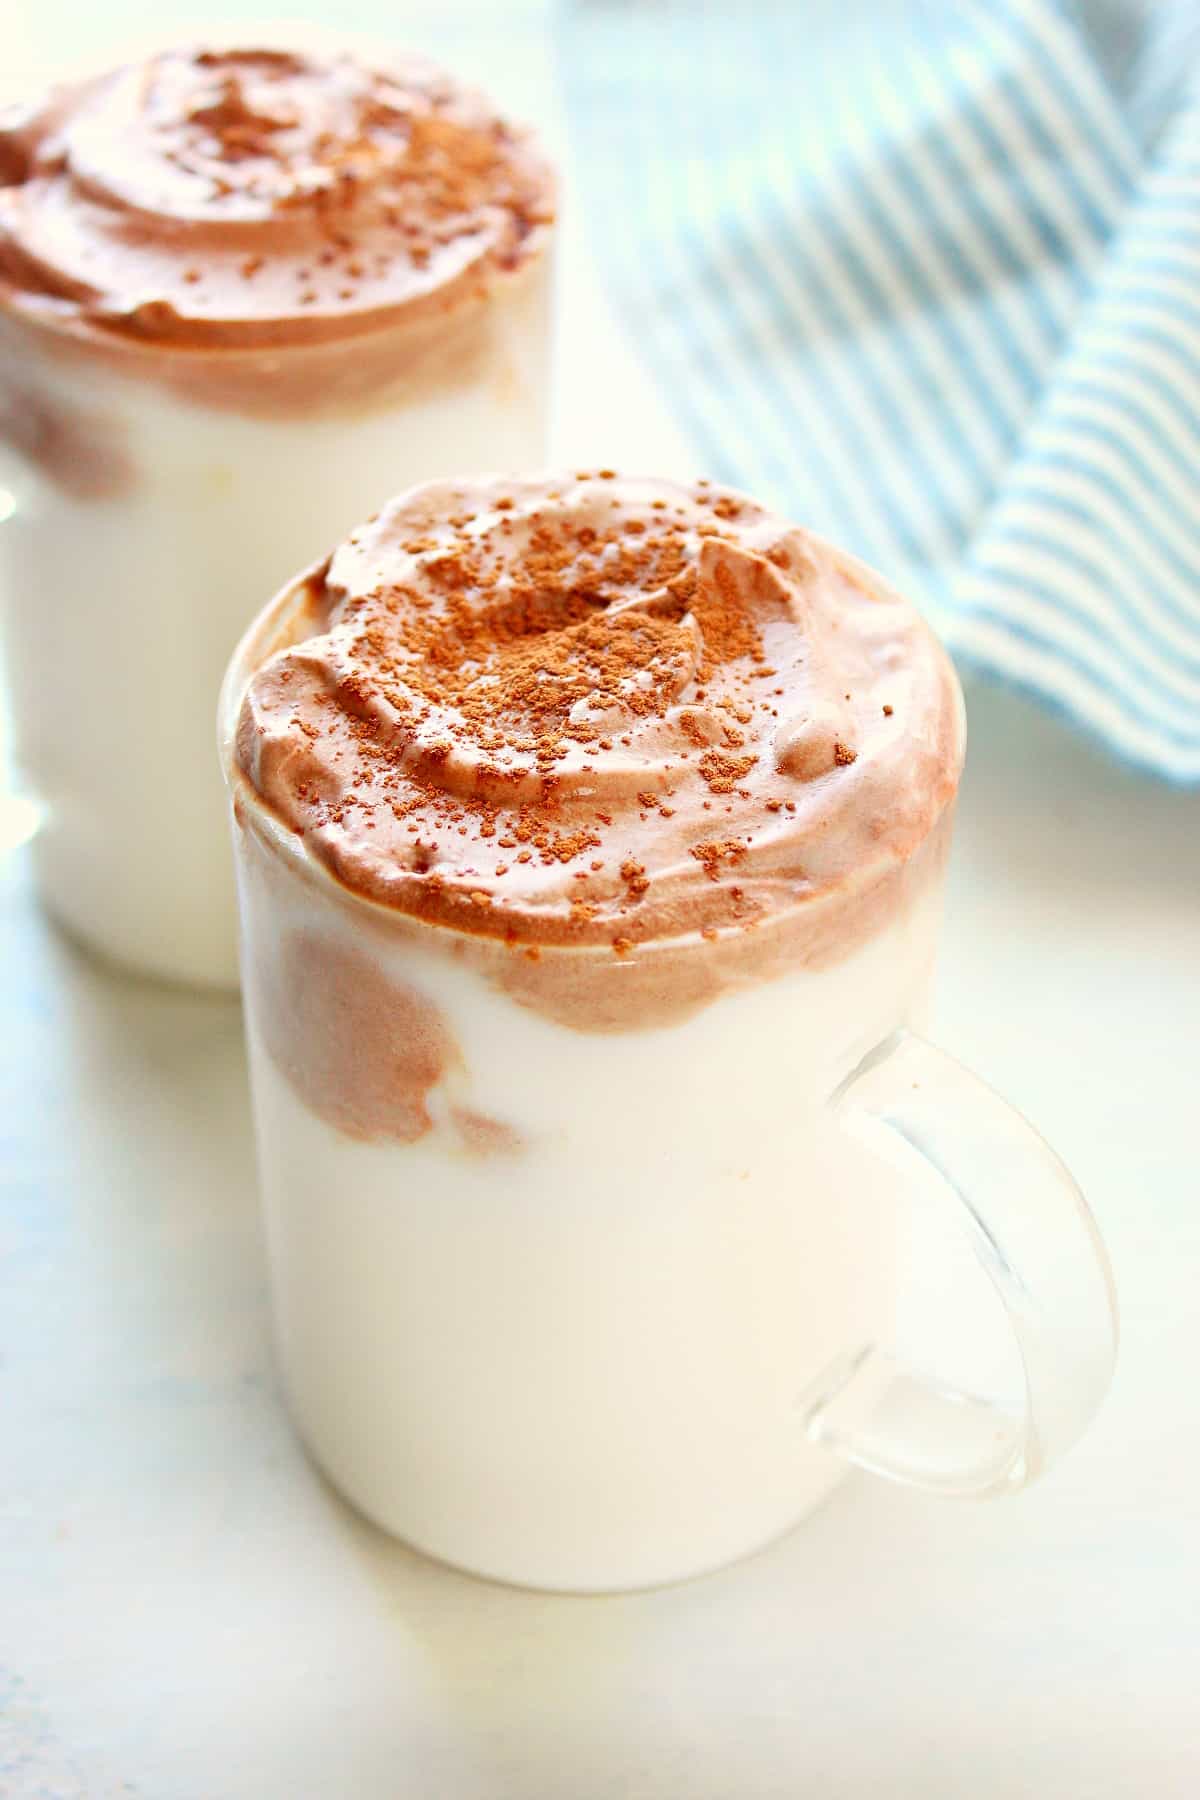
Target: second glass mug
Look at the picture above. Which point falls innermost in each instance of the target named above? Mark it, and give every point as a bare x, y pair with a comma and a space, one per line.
653, 1339
150, 495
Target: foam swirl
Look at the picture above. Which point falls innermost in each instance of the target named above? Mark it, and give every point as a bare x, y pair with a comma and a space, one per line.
590, 712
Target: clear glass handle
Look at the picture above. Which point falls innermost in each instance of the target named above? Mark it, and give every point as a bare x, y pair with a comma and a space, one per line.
1031, 1230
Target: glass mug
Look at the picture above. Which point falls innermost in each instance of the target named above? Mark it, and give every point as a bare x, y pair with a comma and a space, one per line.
621, 1317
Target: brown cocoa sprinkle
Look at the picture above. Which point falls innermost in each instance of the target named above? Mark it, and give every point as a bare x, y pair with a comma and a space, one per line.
633, 874
722, 773
843, 755
693, 727
711, 855
887, 712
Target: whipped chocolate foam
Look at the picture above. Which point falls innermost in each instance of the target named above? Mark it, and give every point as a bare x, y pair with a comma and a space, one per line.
251, 202
622, 716
365, 1051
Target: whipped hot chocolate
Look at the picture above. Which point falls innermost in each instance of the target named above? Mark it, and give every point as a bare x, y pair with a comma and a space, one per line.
589, 836
262, 206
650, 722
245, 293
589, 831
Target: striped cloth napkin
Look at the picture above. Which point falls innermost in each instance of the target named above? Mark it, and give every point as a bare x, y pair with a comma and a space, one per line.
926, 275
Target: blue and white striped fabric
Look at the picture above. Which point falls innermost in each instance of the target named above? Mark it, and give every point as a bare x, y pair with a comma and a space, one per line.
926, 274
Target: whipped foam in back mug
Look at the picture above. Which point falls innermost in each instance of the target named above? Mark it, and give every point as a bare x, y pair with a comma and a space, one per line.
590, 836
243, 293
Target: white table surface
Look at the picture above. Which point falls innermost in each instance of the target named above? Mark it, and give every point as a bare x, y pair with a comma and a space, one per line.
188, 1613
